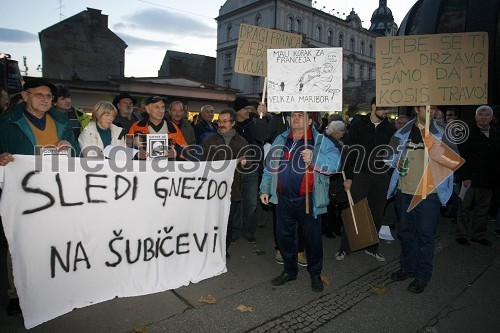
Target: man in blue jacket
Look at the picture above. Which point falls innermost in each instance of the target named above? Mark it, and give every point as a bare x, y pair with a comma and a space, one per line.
419, 209
283, 184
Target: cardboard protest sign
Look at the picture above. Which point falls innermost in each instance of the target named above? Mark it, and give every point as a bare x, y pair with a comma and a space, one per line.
442, 69
94, 230
253, 42
304, 79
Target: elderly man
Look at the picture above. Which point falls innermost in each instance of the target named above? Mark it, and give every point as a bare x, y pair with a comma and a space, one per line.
177, 115
205, 125
283, 184
479, 175
126, 116
401, 120
223, 145
62, 102
29, 125
156, 123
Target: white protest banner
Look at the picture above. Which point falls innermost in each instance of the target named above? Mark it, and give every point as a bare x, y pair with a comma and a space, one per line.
304, 79
105, 230
253, 41
442, 69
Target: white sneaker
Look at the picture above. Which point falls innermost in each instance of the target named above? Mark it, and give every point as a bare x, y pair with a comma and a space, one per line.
340, 255
279, 258
375, 255
301, 259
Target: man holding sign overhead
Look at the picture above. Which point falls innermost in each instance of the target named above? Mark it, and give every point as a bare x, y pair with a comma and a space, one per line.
284, 184
420, 190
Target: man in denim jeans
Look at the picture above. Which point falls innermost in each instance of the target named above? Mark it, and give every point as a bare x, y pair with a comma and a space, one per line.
283, 184
418, 219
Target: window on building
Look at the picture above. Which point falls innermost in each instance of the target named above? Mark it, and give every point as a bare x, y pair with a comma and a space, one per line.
228, 63
290, 24
362, 47
318, 33
228, 32
371, 50
361, 72
341, 40
370, 74
299, 26
350, 70
258, 20
227, 83
255, 84
353, 44
330, 37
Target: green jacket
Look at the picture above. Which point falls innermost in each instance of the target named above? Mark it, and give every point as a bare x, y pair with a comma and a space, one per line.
16, 136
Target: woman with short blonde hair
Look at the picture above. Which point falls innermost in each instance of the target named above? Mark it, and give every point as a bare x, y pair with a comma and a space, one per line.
101, 131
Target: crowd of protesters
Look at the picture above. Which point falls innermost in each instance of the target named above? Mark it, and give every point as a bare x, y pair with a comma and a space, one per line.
304, 179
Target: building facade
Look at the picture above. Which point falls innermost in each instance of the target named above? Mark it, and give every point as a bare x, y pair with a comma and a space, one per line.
318, 28
82, 47
189, 66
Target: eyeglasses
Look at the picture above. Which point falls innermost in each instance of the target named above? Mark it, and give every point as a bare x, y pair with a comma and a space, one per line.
224, 121
40, 95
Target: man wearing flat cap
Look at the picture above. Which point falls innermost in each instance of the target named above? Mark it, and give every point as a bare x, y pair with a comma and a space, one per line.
156, 123
126, 116
31, 124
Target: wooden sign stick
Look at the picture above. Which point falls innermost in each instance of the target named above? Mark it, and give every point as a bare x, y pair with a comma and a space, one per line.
264, 90
306, 125
426, 151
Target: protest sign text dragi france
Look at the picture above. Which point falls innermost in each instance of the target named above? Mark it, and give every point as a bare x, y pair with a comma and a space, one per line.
253, 42
442, 69
82, 237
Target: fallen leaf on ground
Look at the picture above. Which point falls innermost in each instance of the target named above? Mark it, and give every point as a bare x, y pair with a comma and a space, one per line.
325, 280
259, 252
378, 289
141, 329
244, 308
207, 299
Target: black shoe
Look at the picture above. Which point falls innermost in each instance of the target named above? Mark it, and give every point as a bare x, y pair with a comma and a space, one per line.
329, 235
282, 279
463, 241
483, 241
417, 286
316, 284
13, 308
401, 275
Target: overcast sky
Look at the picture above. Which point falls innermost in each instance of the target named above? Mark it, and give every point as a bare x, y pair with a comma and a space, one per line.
149, 28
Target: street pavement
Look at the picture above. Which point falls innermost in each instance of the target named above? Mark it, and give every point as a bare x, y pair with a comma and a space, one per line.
463, 296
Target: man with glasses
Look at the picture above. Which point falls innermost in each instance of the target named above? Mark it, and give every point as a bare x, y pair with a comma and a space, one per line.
32, 124
226, 144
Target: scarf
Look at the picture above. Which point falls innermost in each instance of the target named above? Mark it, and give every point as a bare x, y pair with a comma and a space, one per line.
227, 136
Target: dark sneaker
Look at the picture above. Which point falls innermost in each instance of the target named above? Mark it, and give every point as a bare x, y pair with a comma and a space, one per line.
316, 284
234, 240
483, 241
282, 279
417, 286
463, 241
279, 257
497, 233
401, 275
13, 308
251, 240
